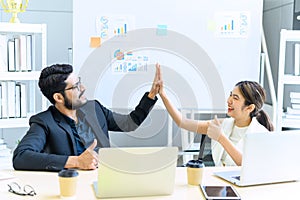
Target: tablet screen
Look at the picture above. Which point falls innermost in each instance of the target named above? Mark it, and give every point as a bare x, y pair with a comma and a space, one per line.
220, 192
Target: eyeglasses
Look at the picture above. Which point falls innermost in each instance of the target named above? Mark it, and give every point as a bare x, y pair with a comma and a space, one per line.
76, 85
15, 188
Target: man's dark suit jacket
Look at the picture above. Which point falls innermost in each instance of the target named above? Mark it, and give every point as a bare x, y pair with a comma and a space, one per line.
49, 141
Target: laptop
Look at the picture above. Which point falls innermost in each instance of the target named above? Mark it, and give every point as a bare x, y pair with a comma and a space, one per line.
136, 171
267, 158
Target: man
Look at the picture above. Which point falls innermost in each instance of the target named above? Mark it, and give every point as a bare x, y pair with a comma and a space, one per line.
71, 131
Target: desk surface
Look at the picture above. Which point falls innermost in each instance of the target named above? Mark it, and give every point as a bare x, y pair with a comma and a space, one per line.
47, 186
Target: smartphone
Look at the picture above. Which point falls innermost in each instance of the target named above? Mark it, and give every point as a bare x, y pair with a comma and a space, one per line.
219, 192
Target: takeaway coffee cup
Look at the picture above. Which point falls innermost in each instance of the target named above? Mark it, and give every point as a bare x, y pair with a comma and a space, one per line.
68, 182
194, 172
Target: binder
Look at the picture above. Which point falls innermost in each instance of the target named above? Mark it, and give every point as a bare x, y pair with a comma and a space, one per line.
4, 99
11, 98
23, 52
3, 53
29, 52
11, 55
297, 60
294, 95
23, 100
17, 53
0, 103
18, 101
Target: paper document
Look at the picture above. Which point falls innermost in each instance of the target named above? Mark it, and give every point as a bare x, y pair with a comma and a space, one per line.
4, 176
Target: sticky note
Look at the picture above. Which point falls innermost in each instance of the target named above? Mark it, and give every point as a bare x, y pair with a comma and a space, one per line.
95, 42
162, 30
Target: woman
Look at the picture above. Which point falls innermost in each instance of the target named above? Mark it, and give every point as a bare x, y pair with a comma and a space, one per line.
245, 104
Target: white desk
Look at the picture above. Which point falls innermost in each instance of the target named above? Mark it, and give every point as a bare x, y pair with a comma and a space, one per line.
47, 187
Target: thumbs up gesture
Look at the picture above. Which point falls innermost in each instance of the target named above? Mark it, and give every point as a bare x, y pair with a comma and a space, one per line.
214, 130
89, 158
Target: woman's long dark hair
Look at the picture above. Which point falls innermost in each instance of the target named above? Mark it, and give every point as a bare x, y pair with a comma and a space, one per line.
255, 94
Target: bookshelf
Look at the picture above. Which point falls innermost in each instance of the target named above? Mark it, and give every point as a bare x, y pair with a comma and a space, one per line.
21, 67
282, 120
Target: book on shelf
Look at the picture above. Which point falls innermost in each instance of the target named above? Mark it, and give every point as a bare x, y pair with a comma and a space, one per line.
11, 98
295, 95
11, 55
22, 99
13, 102
3, 53
17, 53
14, 99
297, 60
4, 99
28, 52
18, 101
295, 105
292, 111
0, 101
23, 53
292, 116
295, 100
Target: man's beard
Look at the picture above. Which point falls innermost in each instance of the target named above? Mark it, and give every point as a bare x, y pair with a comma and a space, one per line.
73, 106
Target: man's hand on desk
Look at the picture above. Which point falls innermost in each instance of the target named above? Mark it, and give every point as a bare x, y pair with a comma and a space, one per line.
87, 160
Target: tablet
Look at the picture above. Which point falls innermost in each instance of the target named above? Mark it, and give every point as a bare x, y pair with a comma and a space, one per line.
219, 192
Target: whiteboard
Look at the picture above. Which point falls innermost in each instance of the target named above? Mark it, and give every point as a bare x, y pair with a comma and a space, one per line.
204, 48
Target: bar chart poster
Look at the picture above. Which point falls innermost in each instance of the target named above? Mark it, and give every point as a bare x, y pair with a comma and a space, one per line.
108, 26
232, 24
129, 62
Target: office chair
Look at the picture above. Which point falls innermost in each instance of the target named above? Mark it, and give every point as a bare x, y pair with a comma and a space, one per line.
207, 159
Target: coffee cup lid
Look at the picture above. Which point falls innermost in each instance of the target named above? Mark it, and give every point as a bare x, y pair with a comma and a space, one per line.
68, 173
195, 164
